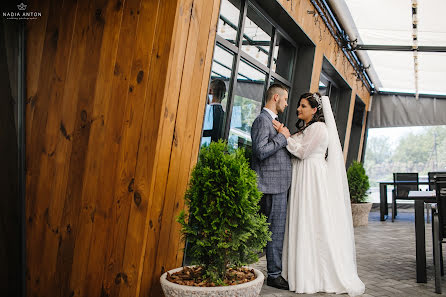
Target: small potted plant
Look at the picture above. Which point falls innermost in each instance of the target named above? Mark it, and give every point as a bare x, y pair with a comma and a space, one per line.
358, 184
223, 228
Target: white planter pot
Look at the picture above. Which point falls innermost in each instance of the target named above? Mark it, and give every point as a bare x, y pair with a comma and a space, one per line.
249, 289
360, 214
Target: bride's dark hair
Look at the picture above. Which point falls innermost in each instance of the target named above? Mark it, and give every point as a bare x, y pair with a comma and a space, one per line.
317, 117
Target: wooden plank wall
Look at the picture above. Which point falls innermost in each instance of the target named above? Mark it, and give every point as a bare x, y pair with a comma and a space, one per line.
113, 124
326, 46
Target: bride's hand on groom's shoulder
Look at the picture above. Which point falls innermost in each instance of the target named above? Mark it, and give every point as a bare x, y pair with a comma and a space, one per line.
281, 128
277, 125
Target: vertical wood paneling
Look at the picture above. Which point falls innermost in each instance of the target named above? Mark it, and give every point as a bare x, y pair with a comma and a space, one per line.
91, 27
114, 119
58, 144
94, 205
112, 205
186, 54
179, 83
80, 87
136, 233
44, 215
152, 161
168, 245
164, 146
36, 120
35, 40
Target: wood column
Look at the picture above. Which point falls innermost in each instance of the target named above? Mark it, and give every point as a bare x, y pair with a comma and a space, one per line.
349, 124
114, 115
317, 69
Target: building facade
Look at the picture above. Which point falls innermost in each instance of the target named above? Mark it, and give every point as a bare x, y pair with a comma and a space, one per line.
116, 95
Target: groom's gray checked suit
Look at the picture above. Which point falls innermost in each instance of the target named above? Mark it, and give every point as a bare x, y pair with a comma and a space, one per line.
271, 161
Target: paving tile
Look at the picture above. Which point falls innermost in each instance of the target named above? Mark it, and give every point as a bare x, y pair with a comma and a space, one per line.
385, 253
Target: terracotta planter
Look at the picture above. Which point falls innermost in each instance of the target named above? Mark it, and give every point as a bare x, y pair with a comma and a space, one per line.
360, 213
250, 289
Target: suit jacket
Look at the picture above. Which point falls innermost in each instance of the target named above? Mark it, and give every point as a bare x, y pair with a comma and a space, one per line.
270, 158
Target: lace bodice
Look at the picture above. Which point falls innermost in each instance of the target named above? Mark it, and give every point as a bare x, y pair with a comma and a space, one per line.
313, 141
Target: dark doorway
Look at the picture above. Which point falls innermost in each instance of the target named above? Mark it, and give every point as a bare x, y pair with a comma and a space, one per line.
12, 271
332, 84
355, 133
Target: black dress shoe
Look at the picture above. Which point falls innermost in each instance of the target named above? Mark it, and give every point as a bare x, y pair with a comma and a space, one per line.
278, 282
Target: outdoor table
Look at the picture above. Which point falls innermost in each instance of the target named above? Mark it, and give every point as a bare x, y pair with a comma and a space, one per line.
421, 197
383, 205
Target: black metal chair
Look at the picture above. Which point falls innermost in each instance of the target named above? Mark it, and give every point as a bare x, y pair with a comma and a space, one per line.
439, 228
431, 179
401, 190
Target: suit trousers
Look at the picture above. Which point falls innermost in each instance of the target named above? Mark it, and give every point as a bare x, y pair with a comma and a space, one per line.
274, 207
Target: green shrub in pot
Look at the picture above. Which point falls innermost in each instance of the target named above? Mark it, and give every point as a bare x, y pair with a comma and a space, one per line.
222, 222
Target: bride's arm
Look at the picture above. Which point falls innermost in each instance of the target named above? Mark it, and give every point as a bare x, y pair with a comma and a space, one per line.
312, 137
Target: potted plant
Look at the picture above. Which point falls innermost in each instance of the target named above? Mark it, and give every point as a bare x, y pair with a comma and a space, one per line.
223, 227
358, 184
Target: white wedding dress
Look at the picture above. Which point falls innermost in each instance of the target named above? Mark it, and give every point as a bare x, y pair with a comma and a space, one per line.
319, 250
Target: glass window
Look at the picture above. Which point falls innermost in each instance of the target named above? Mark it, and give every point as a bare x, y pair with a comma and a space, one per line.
283, 58
255, 58
228, 20
257, 36
247, 104
215, 115
323, 88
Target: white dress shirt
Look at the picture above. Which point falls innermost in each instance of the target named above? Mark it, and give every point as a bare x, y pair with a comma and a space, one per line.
271, 113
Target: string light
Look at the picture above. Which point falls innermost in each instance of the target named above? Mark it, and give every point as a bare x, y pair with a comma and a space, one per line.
415, 44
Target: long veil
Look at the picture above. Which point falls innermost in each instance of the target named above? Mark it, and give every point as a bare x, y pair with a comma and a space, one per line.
338, 178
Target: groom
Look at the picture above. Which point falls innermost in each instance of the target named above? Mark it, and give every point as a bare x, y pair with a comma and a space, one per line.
272, 163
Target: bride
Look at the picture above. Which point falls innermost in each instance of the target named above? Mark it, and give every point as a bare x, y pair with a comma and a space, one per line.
319, 247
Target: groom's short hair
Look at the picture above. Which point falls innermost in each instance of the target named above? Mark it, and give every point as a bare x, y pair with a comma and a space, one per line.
275, 89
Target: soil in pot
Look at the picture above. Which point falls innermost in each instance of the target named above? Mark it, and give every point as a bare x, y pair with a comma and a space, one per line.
192, 276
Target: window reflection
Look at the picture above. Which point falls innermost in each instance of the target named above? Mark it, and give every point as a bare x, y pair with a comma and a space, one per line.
323, 88
228, 20
222, 64
215, 115
257, 36
247, 104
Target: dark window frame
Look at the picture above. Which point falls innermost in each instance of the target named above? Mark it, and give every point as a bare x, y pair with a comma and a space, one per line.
237, 51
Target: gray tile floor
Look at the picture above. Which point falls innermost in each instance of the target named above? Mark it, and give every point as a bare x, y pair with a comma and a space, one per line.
385, 257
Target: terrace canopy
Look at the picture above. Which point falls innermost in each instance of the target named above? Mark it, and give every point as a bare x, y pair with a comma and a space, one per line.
404, 43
